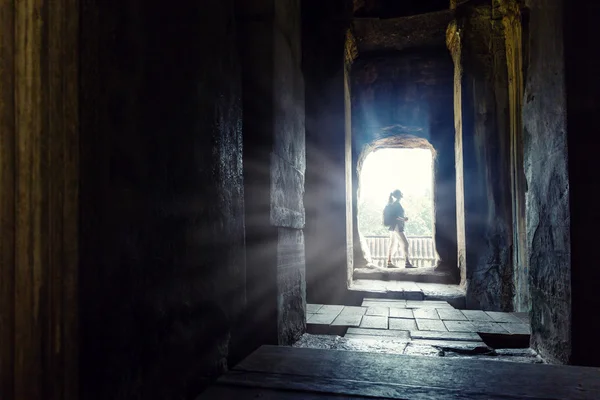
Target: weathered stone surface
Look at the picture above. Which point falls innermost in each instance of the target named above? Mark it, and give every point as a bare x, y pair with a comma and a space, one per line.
430, 325
486, 214
548, 216
378, 332
451, 315
287, 191
274, 151
370, 321
162, 216
402, 324
324, 28
426, 313
291, 285
381, 311
401, 313
401, 33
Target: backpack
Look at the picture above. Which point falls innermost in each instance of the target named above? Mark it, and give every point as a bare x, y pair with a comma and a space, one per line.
388, 215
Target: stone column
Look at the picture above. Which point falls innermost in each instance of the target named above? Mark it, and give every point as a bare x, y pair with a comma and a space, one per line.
274, 163
482, 157
509, 14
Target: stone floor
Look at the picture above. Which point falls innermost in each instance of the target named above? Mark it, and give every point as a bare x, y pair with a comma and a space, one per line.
326, 373
453, 294
423, 274
419, 327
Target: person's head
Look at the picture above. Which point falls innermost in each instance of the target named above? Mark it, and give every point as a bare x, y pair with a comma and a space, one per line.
395, 195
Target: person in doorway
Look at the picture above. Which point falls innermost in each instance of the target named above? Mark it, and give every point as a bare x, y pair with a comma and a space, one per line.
396, 226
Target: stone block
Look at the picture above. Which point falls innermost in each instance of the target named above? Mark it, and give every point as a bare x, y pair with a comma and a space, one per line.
426, 313
402, 324
370, 321
291, 285
504, 317
430, 325
287, 191
451, 315
313, 308
401, 313
476, 315
379, 311
393, 333
459, 326
329, 309
347, 320
288, 102
516, 329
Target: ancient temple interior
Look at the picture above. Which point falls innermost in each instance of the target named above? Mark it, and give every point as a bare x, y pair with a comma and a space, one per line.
191, 203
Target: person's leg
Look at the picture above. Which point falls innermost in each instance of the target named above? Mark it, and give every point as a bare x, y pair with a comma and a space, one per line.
393, 245
405, 246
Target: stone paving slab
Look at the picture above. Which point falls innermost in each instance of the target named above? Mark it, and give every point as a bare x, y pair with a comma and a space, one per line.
313, 308
504, 317
398, 334
476, 315
488, 327
379, 311
403, 324
347, 320
401, 313
370, 321
518, 329
426, 313
430, 325
451, 315
418, 317
330, 309
322, 319
383, 304
439, 335
349, 310
459, 326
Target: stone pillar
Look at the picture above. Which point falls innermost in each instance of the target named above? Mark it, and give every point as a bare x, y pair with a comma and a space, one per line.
274, 147
509, 14
162, 197
324, 36
482, 152
454, 43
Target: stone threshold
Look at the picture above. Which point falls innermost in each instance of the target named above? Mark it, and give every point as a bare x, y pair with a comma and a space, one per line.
453, 294
422, 274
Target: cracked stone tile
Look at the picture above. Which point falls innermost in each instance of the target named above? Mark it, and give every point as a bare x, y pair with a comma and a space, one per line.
378, 311
451, 315
504, 317
401, 313
476, 315
313, 308
517, 329
403, 324
460, 326
431, 325
371, 321
426, 313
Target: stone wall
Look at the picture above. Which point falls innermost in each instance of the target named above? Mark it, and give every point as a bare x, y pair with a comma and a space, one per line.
274, 168
412, 92
548, 220
323, 43
485, 150
162, 217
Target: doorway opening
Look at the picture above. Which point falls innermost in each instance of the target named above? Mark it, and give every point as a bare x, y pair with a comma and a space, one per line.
411, 171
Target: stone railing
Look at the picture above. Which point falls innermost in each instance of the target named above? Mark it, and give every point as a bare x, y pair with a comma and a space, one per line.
421, 249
